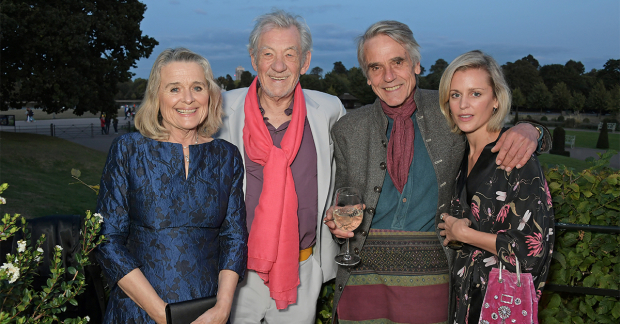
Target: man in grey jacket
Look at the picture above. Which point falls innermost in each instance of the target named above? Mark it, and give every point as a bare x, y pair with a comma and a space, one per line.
404, 273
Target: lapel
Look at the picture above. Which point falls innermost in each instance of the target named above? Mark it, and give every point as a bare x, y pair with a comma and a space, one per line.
319, 124
236, 122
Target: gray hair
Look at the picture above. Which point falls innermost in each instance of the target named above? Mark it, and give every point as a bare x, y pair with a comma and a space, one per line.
281, 19
397, 31
477, 60
148, 118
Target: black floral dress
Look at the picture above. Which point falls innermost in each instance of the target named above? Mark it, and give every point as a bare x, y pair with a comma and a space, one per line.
514, 205
179, 232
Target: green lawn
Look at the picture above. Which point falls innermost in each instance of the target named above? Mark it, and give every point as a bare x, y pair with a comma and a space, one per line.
38, 171
550, 160
589, 139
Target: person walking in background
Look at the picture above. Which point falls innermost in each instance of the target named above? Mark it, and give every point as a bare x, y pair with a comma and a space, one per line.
29, 115
283, 134
115, 124
108, 120
102, 120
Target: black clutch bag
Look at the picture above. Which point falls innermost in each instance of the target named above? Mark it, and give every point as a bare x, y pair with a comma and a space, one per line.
188, 311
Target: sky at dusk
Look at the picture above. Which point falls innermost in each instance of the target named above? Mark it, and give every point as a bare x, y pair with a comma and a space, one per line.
552, 31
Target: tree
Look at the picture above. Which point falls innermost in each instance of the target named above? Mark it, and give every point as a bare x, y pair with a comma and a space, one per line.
433, 78
561, 96
610, 74
246, 79
539, 97
339, 68
69, 54
312, 82
339, 83
599, 99
317, 71
615, 99
230, 83
522, 74
579, 100
359, 87
518, 100
530, 59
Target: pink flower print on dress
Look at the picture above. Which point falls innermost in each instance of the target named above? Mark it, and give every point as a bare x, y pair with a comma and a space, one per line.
503, 213
475, 210
475, 254
549, 200
534, 244
512, 258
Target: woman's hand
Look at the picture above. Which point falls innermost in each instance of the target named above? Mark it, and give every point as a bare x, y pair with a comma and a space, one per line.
453, 228
217, 315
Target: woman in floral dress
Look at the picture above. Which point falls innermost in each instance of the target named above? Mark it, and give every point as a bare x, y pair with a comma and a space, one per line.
499, 215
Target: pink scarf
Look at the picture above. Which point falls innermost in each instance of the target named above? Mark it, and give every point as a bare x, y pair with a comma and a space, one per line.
400, 147
273, 245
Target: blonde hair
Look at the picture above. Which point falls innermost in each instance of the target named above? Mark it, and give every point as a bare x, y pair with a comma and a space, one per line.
477, 60
148, 118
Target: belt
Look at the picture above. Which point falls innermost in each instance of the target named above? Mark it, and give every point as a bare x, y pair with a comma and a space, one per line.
305, 254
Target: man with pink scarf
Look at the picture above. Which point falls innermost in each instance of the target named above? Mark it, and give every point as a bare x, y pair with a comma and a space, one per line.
283, 133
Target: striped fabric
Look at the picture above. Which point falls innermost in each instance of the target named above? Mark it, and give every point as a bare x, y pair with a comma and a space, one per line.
403, 278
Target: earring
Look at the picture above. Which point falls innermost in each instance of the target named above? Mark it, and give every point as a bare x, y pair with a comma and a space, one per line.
494, 110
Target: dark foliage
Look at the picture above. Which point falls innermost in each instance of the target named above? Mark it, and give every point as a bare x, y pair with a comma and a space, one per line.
603, 138
69, 54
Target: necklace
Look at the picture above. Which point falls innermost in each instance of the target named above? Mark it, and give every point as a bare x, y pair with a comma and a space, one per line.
186, 147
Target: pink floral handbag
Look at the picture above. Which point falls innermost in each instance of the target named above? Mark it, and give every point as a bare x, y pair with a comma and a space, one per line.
510, 298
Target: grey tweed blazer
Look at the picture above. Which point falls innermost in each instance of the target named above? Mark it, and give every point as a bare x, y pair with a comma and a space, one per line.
360, 149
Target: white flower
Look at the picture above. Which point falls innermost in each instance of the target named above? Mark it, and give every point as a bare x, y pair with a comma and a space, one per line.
11, 269
2, 201
501, 195
461, 272
58, 247
38, 258
99, 217
21, 246
87, 318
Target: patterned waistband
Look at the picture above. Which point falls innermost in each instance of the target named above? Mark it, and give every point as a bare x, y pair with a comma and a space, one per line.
402, 253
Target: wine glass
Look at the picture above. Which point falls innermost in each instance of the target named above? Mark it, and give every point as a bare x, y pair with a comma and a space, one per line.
348, 214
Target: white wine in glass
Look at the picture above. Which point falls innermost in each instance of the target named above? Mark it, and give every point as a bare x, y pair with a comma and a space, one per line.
348, 214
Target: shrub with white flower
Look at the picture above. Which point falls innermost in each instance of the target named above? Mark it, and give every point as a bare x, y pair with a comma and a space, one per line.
19, 302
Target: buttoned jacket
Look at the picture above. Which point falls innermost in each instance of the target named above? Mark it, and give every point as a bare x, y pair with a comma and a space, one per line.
323, 111
361, 158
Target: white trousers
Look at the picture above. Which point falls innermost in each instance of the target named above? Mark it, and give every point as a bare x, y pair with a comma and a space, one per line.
252, 303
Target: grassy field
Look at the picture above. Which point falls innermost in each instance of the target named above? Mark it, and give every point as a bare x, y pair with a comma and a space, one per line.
38, 171
551, 160
589, 139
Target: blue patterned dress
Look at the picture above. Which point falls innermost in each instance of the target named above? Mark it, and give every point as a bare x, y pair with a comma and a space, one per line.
180, 232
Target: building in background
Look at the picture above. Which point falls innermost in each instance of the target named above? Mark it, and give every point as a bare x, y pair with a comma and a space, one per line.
238, 72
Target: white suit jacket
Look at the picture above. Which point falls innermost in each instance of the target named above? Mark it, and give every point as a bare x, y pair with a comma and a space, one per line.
323, 111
